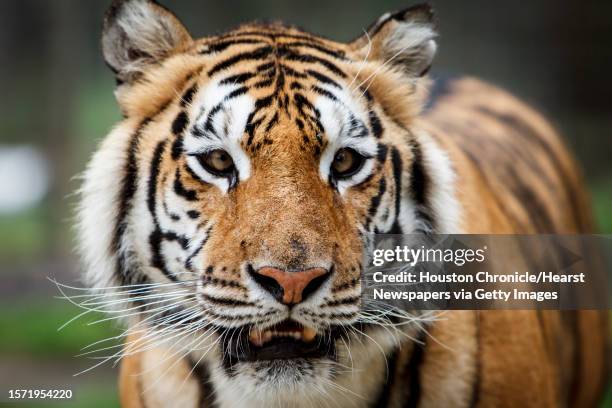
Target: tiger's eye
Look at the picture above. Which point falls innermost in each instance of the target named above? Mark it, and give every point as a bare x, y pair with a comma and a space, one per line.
346, 162
218, 161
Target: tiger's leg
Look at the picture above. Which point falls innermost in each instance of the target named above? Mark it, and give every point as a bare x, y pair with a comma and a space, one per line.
438, 369
449, 367
156, 378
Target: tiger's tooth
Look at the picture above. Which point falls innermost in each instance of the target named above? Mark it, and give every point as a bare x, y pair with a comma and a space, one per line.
257, 337
308, 334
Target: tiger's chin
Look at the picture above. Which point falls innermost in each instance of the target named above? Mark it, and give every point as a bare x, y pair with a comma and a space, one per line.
278, 382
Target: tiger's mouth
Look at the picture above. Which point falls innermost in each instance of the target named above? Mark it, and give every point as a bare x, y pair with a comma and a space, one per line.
287, 329
283, 341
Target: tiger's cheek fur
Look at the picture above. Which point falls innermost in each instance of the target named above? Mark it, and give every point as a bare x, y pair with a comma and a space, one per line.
317, 228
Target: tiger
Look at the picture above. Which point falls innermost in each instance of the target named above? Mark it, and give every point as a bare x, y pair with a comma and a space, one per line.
226, 215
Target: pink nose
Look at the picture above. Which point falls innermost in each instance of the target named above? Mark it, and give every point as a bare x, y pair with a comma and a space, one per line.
294, 285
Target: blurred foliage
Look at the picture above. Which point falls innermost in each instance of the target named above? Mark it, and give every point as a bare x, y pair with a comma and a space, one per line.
601, 195
32, 334
23, 236
34, 329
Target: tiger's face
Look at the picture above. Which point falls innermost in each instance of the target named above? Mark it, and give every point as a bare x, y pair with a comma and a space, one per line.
234, 201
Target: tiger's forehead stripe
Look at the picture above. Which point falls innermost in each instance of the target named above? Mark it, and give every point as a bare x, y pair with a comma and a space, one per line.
260, 59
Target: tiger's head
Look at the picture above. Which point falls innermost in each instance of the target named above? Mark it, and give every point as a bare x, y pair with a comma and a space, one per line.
229, 209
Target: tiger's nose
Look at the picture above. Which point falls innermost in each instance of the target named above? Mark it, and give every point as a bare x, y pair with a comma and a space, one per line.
290, 287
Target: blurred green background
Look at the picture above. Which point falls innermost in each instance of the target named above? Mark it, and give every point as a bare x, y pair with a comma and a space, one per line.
57, 103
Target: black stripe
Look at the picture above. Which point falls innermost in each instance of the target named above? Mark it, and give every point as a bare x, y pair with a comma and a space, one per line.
263, 68
263, 83
475, 398
419, 184
187, 97
257, 54
375, 124
235, 93
128, 186
180, 190
182, 240
221, 46
323, 78
178, 126
381, 153
250, 128
413, 370
356, 129
157, 236
292, 72
531, 136
280, 81
273, 35
384, 396
226, 301
301, 101
318, 47
396, 162
202, 374
237, 79
208, 126
375, 201
154, 173
189, 261
311, 59
128, 190
323, 92
264, 102
531, 201
157, 260
272, 122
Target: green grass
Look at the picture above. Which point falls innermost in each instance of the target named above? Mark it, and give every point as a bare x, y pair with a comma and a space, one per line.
601, 194
23, 235
30, 331
607, 401
31, 328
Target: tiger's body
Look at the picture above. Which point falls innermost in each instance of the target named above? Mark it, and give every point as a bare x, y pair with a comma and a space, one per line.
236, 193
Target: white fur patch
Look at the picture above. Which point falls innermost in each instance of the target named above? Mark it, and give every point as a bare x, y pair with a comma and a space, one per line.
97, 211
442, 198
335, 118
229, 124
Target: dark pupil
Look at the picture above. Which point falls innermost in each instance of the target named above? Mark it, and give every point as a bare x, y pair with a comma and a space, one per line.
220, 160
223, 159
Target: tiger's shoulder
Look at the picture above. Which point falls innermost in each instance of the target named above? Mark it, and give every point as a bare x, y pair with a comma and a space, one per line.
514, 173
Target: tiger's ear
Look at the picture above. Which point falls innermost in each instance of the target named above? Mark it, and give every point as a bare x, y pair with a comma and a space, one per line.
405, 39
137, 33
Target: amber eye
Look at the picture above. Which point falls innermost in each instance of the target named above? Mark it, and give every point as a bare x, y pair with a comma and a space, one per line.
346, 163
218, 162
